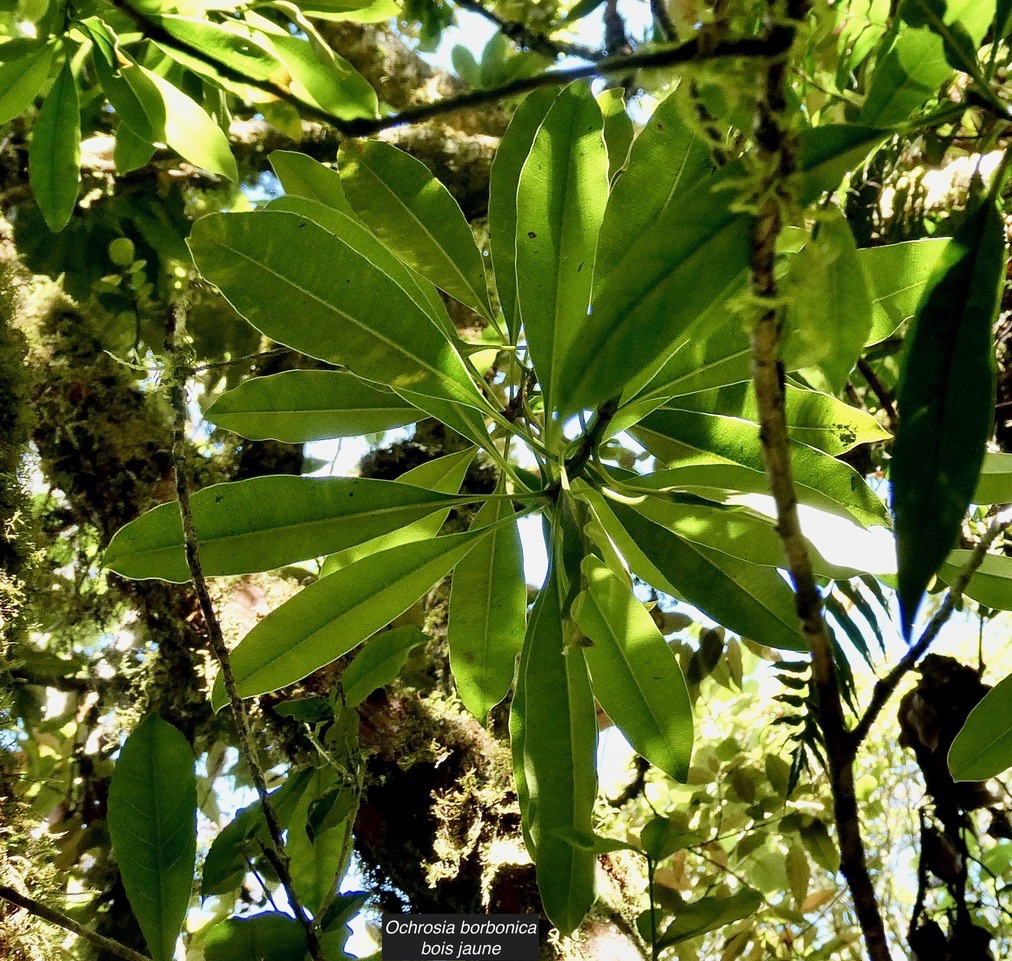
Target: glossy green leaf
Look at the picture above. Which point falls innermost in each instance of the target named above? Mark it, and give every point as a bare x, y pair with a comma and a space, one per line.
661, 838
188, 129
911, 70
318, 863
828, 318
946, 402
983, 748
415, 216
689, 259
667, 157
298, 406
153, 827
488, 613
227, 43
994, 486
379, 662
335, 305
357, 235
377, 11
241, 841
751, 600
270, 936
110, 65
708, 914
553, 732
813, 418
131, 152
898, 274
712, 450
336, 613
618, 128
593, 843
636, 677
301, 176
21, 79
560, 204
991, 584
513, 151
319, 75
54, 155
444, 474
266, 522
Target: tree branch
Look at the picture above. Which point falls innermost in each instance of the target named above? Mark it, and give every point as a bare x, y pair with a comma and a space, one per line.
521, 34
665, 56
776, 160
60, 919
880, 391
279, 859
886, 686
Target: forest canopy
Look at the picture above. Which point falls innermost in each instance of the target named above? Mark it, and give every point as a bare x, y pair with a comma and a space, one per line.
319, 324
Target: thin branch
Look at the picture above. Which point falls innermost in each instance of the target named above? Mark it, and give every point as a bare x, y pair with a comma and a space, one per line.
279, 860
664, 56
60, 919
880, 391
776, 158
521, 34
662, 20
886, 686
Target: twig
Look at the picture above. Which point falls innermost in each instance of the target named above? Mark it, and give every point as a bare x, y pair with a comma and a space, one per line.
880, 391
776, 158
69, 924
279, 859
521, 34
662, 19
886, 686
664, 56
591, 437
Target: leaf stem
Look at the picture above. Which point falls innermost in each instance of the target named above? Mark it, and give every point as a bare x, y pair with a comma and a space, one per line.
177, 394
776, 160
61, 920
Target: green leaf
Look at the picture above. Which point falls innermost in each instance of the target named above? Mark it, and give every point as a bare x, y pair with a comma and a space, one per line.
553, 732
911, 70
444, 474
711, 450
813, 418
338, 612
379, 662
666, 158
513, 151
593, 843
301, 176
378, 11
110, 67
689, 259
661, 838
54, 156
188, 129
153, 827
829, 315
636, 677
708, 914
946, 402
263, 523
751, 600
270, 936
297, 406
898, 274
488, 613
983, 748
258, 262
618, 128
241, 841
561, 197
415, 216
227, 43
991, 584
21, 79
994, 486
131, 152
318, 863
319, 75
